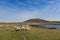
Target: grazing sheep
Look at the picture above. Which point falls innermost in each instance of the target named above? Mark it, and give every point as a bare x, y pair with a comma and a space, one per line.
15, 27
18, 28
7, 28
28, 27
23, 28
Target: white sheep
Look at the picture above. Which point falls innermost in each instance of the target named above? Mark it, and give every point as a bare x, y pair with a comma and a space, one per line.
18, 28
28, 27
7, 28
23, 28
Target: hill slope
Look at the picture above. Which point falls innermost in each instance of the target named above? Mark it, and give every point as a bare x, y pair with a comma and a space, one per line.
41, 21
35, 20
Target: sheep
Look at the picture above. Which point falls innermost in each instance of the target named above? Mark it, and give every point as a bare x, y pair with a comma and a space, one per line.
23, 28
28, 27
15, 27
7, 28
18, 28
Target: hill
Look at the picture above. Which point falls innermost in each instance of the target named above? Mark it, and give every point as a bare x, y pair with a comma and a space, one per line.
35, 20
41, 21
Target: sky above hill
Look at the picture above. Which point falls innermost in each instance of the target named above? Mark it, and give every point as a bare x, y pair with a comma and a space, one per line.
20, 10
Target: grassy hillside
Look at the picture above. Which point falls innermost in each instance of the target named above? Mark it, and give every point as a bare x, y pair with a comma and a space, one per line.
35, 20
32, 34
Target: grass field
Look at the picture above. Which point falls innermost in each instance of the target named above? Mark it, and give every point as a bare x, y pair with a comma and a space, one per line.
32, 34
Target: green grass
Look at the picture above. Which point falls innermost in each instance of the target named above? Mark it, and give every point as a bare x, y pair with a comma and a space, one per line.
32, 34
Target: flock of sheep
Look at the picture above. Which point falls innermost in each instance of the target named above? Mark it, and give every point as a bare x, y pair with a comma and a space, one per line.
19, 28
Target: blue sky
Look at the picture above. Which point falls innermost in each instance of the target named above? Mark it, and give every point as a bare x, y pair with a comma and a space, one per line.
21, 10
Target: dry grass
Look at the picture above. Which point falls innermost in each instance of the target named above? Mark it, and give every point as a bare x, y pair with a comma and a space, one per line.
32, 34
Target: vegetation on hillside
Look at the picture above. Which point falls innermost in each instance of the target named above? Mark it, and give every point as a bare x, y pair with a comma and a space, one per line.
36, 20
41, 21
